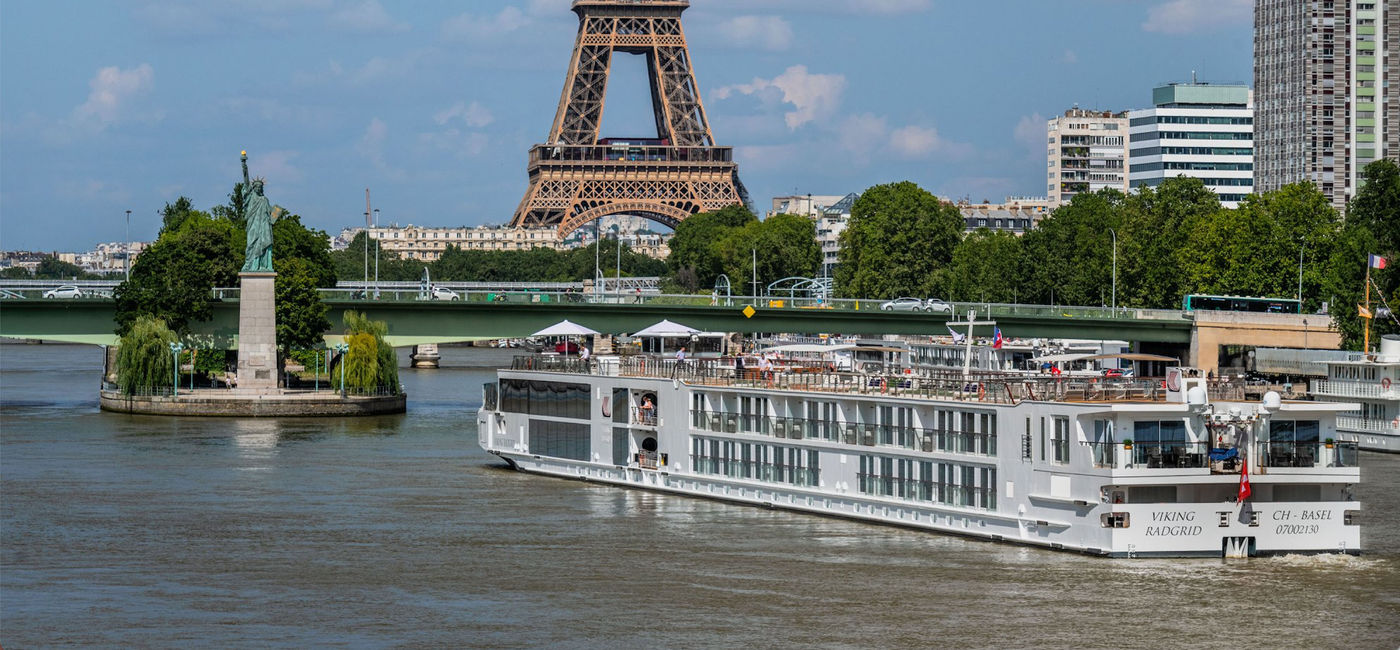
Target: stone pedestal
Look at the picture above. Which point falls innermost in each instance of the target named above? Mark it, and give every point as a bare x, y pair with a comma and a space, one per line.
257, 332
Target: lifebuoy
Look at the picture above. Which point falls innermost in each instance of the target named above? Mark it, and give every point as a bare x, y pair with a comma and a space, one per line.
1385, 383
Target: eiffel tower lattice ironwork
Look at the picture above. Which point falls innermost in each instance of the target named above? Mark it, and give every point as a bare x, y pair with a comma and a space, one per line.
578, 176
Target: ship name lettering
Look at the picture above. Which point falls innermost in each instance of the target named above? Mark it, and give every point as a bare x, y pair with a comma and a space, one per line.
1173, 516
1316, 515
1173, 531
1283, 515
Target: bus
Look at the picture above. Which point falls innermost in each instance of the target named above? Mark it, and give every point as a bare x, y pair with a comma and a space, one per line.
1197, 302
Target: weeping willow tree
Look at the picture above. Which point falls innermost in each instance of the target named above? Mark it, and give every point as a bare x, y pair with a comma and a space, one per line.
143, 356
370, 362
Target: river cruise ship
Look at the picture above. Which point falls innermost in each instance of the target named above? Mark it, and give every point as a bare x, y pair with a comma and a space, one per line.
1371, 383
1180, 466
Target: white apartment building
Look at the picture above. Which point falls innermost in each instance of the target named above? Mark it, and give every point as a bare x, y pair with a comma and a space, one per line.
812, 206
428, 243
830, 225
1087, 151
1196, 130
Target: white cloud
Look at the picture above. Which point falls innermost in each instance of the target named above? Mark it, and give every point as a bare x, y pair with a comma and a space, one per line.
113, 92
1031, 132
277, 167
474, 115
467, 27
812, 96
1069, 57
760, 32
1190, 16
915, 141
366, 17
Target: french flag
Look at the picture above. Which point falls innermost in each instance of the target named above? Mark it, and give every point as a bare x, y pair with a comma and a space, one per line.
1377, 262
997, 340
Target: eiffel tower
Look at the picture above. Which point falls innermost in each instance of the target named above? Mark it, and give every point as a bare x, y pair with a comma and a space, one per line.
578, 176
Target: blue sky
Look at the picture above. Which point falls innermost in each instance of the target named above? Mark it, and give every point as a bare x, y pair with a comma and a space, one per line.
113, 105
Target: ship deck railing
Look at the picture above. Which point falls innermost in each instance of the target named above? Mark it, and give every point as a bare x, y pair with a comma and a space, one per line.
995, 388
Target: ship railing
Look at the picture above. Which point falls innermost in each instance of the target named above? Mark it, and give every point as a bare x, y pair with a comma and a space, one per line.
910, 489
754, 470
1311, 453
986, 387
1178, 454
1104, 454
1358, 423
644, 416
1373, 390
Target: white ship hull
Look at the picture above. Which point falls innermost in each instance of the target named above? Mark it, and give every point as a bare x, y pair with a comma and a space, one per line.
1101, 500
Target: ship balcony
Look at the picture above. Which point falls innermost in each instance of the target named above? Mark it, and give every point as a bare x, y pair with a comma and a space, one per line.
1360, 424
1198, 455
1365, 390
643, 417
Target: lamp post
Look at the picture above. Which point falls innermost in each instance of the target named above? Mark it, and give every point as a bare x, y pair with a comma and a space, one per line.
1302, 246
365, 288
341, 348
1114, 299
376, 255
175, 349
126, 247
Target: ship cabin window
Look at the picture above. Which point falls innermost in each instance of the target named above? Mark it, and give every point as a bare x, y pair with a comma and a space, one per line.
1061, 440
559, 439
619, 405
1354, 373
1292, 443
555, 399
1161, 444
753, 415
1103, 445
821, 421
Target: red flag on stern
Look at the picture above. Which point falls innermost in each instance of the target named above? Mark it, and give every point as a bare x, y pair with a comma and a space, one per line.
1245, 491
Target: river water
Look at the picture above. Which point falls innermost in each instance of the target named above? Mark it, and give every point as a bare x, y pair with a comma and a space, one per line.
398, 531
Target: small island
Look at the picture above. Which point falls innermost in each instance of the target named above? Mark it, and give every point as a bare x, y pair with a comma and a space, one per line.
283, 360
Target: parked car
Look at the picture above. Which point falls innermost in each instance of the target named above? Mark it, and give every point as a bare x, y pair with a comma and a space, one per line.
1112, 373
903, 304
934, 304
443, 293
65, 291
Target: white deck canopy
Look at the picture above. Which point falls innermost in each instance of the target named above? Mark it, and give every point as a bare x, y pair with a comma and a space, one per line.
667, 328
565, 328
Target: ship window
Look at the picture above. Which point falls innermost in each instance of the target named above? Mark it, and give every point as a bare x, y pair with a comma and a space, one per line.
545, 398
619, 446
1061, 440
559, 439
1152, 494
1298, 431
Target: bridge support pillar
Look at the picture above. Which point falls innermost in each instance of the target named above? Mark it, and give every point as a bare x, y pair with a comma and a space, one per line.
257, 332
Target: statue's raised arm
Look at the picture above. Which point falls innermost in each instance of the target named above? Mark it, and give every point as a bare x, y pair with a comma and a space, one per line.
258, 217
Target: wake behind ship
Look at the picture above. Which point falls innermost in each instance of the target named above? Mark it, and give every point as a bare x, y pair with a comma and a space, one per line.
1122, 467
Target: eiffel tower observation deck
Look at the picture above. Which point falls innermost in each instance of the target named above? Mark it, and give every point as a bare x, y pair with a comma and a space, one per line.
578, 176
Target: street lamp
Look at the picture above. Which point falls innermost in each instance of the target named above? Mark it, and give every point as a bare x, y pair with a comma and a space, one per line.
341, 348
126, 247
175, 349
1302, 246
1115, 270
376, 255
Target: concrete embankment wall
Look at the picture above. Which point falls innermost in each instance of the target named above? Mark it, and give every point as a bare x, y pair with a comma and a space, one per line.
232, 404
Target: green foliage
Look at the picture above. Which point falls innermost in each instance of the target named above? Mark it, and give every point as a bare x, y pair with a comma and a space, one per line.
175, 214
987, 267
1372, 227
301, 315
172, 279
1069, 258
52, 268
1155, 231
783, 246
899, 242
370, 362
694, 246
143, 356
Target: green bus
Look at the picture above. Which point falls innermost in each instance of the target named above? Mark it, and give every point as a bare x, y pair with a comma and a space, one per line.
1198, 302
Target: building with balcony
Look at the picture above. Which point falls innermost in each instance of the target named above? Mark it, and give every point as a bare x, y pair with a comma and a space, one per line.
1196, 130
1018, 214
427, 244
1327, 92
1086, 151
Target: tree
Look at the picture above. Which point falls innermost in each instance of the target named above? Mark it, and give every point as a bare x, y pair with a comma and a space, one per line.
174, 214
301, 315
986, 267
52, 268
783, 246
1371, 228
143, 355
1068, 258
1156, 225
899, 241
693, 246
1243, 252
172, 279
370, 363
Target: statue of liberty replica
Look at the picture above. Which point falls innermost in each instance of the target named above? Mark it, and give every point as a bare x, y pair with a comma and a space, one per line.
258, 215
257, 309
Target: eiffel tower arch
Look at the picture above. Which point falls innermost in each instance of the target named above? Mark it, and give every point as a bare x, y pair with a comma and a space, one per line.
578, 176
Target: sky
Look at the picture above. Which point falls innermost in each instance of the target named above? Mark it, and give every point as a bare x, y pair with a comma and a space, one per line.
115, 105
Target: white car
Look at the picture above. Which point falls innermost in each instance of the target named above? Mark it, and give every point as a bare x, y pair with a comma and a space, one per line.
443, 293
934, 304
65, 291
903, 304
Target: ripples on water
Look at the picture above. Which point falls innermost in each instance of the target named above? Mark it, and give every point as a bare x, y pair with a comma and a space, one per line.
130, 531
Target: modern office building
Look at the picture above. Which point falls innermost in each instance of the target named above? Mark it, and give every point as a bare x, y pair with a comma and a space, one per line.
1198, 130
1087, 151
1327, 92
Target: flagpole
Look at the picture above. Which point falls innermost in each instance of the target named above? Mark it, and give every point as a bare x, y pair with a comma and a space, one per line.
967, 354
1366, 346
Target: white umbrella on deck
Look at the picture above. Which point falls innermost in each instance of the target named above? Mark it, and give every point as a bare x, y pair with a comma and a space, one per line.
566, 328
667, 328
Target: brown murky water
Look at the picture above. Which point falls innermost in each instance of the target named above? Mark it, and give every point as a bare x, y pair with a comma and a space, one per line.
399, 531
